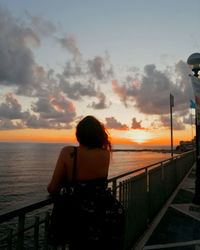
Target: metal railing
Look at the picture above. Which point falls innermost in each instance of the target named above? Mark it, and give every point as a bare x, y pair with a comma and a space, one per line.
143, 192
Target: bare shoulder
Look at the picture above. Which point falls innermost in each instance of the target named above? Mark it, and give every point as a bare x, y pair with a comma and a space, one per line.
67, 150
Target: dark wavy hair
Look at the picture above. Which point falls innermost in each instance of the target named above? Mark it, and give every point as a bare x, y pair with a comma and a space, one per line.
92, 134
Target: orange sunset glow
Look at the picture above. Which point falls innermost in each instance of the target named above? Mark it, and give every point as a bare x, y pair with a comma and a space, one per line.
130, 137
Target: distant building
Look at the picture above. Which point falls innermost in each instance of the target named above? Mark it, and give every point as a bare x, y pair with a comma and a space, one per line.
186, 145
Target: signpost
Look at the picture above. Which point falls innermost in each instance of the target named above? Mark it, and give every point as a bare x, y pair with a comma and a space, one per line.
171, 121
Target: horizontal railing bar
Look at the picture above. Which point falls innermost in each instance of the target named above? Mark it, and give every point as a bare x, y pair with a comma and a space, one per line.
146, 167
7, 215
4, 216
25, 230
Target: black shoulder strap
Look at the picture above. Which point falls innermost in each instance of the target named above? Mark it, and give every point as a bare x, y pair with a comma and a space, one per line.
74, 165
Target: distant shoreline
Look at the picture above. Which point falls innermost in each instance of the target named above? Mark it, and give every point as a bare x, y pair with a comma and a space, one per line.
157, 150
145, 150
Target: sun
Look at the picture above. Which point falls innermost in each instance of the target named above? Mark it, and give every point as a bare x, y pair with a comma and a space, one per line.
139, 136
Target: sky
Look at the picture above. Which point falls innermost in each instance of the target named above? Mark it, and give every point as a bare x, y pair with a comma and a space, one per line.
116, 60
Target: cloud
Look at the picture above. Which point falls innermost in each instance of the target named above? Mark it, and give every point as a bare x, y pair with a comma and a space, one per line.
11, 114
102, 102
112, 123
17, 60
178, 123
69, 43
120, 91
10, 125
98, 68
51, 112
72, 69
18, 68
153, 97
56, 109
40, 25
35, 122
136, 124
82, 78
11, 108
151, 93
76, 90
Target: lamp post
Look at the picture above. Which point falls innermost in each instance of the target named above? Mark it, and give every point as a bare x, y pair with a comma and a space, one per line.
194, 62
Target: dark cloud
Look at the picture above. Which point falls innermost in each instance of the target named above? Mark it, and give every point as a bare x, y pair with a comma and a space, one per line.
112, 123
82, 78
69, 43
11, 114
55, 109
50, 112
178, 123
18, 68
99, 69
77, 90
101, 103
46, 83
136, 124
17, 61
33, 121
10, 125
11, 108
72, 69
96, 67
120, 91
151, 94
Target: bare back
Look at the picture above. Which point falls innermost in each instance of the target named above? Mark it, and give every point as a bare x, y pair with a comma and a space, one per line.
91, 164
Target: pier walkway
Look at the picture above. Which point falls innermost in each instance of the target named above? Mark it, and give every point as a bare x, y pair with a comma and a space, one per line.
177, 226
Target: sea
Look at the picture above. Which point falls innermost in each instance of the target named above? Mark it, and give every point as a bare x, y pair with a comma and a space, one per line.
26, 169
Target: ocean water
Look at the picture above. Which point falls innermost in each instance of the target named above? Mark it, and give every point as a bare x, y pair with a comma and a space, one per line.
26, 169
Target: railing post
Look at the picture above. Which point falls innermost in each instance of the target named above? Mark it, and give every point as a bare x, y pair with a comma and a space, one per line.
9, 239
162, 172
148, 195
147, 178
120, 191
36, 233
20, 232
114, 188
46, 227
126, 193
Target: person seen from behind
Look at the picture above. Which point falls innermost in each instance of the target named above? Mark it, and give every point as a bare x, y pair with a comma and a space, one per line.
85, 167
